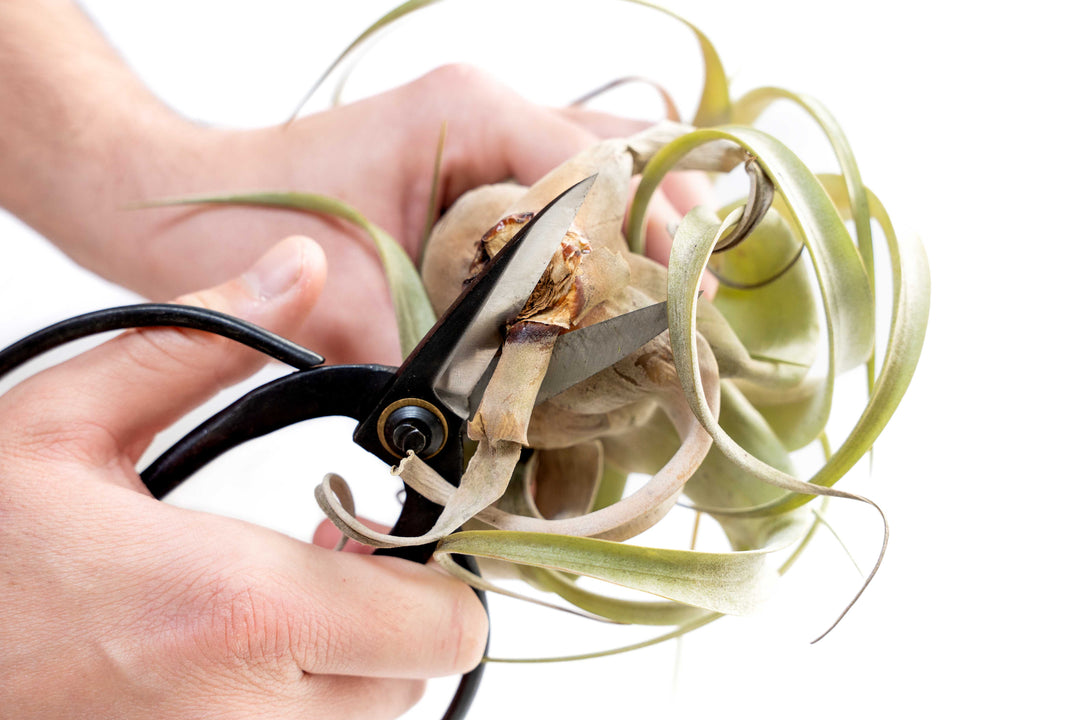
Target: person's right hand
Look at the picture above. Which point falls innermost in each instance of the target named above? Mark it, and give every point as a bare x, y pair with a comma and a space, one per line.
115, 605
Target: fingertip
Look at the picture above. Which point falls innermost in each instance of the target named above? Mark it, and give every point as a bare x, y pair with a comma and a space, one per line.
473, 636
395, 618
328, 536
660, 225
295, 262
451, 627
147, 378
313, 259
277, 291
687, 189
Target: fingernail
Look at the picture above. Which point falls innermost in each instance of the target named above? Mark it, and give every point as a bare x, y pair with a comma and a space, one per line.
277, 270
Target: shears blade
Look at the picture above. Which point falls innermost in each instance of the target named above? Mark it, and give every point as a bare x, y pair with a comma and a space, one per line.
482, 335
580, 354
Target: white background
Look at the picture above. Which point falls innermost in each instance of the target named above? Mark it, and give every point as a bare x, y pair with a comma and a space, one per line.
959, 117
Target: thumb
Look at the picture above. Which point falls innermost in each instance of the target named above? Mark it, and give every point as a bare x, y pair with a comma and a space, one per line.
139, 383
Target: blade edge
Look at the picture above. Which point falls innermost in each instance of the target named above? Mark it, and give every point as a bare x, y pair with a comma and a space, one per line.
580, 354
466, 365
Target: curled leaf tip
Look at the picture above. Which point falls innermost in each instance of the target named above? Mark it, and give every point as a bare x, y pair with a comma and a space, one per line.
759, 200
767, 280
873, 571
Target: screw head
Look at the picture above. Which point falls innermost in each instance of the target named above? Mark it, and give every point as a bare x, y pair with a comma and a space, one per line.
414, 428
408, 436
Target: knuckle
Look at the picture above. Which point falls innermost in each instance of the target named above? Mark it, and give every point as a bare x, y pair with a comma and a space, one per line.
43, 427
247, 622
169, 349
158, 349
461, 76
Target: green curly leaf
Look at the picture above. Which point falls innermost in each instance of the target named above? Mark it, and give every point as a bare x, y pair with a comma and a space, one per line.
767, 295
750, 106
907, 330
732, 583
845, 288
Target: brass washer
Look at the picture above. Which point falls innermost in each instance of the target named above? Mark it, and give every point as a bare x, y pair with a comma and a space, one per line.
415, 402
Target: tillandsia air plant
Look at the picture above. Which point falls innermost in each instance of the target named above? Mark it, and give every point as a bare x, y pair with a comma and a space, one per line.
710, 411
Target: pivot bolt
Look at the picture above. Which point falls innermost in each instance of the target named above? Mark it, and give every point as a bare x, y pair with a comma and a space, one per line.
407, 436
414, 428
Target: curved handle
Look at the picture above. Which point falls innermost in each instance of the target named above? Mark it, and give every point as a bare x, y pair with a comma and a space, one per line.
344, 390
156, 315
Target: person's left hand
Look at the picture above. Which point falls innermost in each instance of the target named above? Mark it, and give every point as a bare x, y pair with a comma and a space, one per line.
378, 155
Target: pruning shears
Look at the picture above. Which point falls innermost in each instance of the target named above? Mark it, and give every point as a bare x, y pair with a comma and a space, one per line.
420, 407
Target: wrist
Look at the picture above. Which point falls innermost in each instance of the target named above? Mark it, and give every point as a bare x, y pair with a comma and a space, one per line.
77, 122
97, 211
137, 155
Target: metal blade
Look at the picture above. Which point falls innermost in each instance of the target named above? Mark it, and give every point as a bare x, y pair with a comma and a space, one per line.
482, 336
580, 354
583, 353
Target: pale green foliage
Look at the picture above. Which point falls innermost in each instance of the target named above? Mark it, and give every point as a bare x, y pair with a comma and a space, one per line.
763, 333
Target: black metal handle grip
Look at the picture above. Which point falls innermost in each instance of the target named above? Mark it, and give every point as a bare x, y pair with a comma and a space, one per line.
335, 390
156, 315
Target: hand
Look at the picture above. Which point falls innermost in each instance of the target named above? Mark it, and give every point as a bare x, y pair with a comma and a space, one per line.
122, 606
72, 166
378, 155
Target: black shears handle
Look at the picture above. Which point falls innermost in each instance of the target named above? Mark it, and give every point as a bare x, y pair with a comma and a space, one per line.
334, 390
313, 391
